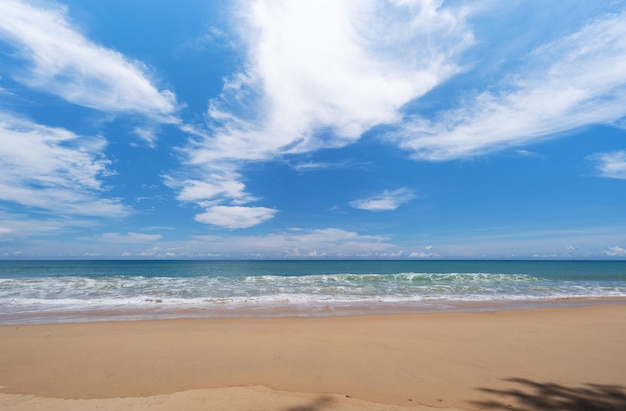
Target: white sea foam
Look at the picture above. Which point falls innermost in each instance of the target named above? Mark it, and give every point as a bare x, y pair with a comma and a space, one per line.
219, 294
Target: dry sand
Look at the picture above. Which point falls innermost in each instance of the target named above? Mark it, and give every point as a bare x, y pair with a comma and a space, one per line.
560, 359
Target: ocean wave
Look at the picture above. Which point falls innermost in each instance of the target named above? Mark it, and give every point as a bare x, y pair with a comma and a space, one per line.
359, 287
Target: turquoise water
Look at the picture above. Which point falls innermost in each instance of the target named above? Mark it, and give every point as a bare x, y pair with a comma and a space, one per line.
44, 291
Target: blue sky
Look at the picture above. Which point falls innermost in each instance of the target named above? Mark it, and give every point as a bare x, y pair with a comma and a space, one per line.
313, 129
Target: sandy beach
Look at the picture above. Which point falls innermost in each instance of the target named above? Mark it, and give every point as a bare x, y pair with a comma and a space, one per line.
554, 358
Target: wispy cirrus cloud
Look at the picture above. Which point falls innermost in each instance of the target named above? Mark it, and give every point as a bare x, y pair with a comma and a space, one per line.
19, 226
325, 242
611, 164
129, 237
316, 166
576, 81
54, 170
148, 135
291, 243
65, 63
318, 75
386, 201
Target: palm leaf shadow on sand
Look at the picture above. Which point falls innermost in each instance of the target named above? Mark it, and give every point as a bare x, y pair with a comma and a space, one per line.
531, 395
318, 404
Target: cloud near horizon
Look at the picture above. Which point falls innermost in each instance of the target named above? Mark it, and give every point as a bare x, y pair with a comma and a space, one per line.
325, 242
615, 251
291, 243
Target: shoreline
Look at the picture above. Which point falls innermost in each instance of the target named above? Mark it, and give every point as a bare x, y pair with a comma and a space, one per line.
455, 360
330, 310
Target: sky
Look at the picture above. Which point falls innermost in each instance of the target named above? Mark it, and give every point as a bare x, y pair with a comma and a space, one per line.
271, 129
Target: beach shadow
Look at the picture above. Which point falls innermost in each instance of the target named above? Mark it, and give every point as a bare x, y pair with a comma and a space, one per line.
318, 404
532, 395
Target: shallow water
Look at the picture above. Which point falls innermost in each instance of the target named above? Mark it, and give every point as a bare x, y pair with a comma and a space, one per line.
45, 291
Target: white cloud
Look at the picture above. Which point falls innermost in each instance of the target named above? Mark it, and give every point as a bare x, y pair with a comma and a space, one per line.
527, 153
315, 166
65, 63
612, 164
423, 254
235, 216
215, 185
335, 66
388, 200
53, 169
216, 188
573, 82
615, 251
319, 74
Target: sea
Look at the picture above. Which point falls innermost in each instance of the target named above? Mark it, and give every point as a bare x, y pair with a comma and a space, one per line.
78, 291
